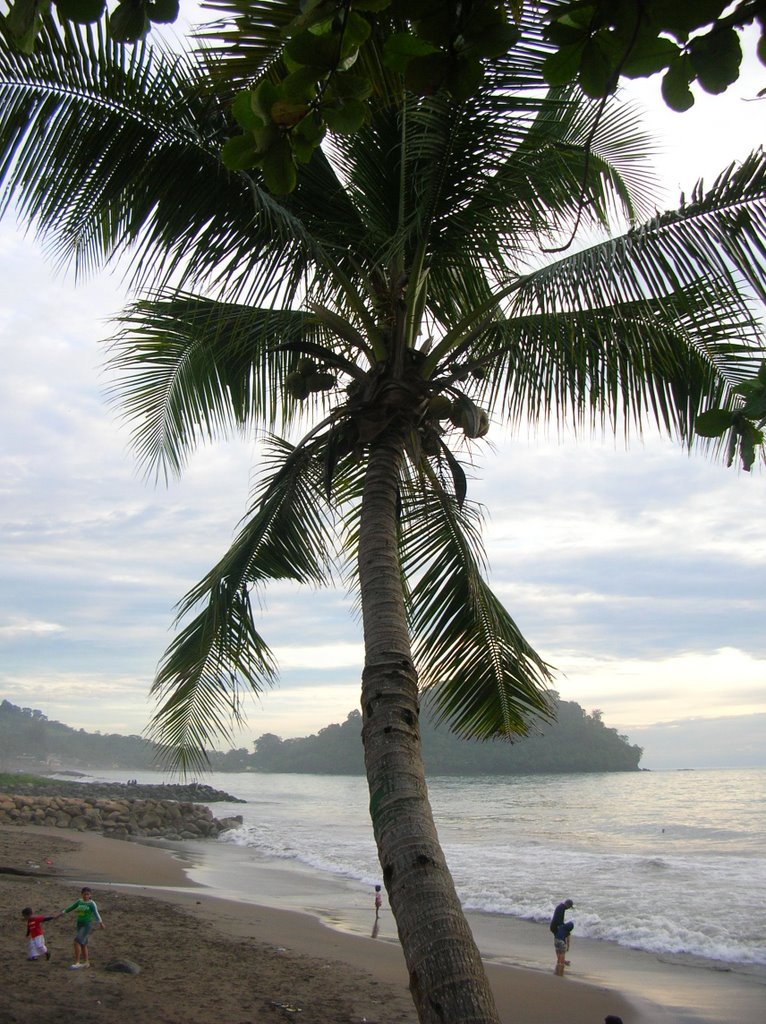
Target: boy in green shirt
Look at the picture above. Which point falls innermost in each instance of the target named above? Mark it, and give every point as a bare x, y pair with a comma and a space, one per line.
87, 916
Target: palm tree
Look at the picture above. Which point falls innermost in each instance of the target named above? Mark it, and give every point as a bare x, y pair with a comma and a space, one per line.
372, 325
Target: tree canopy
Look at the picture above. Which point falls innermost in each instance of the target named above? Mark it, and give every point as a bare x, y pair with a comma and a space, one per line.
372, 317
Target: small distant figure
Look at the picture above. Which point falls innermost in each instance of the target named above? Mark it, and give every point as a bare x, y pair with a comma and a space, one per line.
36, 948
378, 901
561, 945
87, 917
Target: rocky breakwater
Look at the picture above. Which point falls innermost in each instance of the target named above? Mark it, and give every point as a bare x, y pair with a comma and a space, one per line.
120, 817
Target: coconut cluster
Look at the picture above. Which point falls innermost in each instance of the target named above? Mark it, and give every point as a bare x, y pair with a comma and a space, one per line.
308, 378
462, 413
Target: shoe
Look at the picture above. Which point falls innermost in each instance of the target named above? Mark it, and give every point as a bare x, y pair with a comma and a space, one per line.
75, 967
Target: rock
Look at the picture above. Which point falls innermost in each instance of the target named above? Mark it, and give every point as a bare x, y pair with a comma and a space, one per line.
123, 967
130, 817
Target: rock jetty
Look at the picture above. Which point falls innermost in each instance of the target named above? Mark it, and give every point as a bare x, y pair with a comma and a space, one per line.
118, 817
195, 792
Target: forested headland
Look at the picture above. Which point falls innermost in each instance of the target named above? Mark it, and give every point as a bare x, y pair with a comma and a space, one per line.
577, 741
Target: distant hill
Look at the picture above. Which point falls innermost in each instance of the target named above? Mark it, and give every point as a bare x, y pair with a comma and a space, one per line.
29, 741
576, 742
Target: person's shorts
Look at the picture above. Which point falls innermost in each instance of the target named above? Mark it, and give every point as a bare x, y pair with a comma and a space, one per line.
82, 933
36, 948
560, 945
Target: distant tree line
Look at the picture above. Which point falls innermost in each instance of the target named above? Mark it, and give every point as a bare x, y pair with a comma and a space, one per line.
576, 742
28, 739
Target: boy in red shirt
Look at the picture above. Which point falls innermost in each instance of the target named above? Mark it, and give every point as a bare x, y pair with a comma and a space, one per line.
36, 948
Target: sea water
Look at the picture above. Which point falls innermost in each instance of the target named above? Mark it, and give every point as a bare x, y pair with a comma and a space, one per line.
670, 862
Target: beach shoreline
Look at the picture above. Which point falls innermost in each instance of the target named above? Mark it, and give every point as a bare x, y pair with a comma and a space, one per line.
602, 980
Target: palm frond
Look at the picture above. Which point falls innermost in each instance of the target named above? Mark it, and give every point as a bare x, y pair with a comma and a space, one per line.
114, 150
712, 247
245, 39
616, 366
482, 676
186, 367
219, 654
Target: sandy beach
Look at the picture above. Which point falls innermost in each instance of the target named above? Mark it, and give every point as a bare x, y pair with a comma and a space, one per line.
204, 958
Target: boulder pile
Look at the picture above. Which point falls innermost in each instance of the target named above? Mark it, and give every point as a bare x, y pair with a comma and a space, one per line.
120, 818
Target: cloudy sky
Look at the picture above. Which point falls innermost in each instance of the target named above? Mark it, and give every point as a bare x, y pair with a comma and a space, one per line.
639, 574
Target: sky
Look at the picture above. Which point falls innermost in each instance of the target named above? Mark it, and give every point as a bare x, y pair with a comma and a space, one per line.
638, 574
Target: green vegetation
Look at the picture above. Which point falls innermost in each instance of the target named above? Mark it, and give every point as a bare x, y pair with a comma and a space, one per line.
29, 739
575, 742
10, 781
341, 56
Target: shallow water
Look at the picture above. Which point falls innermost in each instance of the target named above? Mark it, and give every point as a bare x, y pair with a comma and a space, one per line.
672, 863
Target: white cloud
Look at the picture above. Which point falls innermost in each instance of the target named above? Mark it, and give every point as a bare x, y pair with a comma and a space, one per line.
321, 656
635, 692
26, 627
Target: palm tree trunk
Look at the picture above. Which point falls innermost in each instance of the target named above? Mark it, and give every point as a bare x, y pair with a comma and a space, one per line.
447, 977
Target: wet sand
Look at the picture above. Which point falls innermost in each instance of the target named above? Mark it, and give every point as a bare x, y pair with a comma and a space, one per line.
206, 958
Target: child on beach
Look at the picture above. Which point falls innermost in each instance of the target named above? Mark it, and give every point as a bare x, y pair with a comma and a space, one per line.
378, 900
87, 916
36, 948
561, 944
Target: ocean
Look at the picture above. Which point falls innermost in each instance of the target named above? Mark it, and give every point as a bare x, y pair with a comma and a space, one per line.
666, 862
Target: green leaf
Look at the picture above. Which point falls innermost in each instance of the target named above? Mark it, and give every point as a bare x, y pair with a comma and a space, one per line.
163, 11
313, 50
675, 86
716, 58
288, 114
714, 422
400, 48
302, 83
310, 130
240, 153
426, 75
681, 17
562, 33
347, 117
81, 11
313, 12
438, 28
128, 23
278, 166
242, 109
263, 97
562, 66
597, 76
649, 56
355, 33
493, 42
349, 85
464, 78
24, 21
